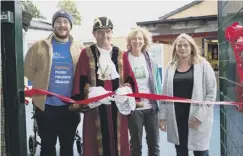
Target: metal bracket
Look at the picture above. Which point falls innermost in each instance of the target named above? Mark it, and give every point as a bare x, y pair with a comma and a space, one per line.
21, 96
7, 17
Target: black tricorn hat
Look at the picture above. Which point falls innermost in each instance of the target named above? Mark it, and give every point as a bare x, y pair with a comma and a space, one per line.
102, 23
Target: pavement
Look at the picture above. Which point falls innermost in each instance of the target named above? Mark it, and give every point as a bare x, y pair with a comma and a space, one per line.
167, 149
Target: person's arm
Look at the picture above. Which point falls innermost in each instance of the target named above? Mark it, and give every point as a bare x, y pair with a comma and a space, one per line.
128, 75
81, 85
30, 62
211, 91
129, 78
162, 106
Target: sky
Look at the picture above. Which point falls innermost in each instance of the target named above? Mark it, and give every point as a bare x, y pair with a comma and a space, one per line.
124, 14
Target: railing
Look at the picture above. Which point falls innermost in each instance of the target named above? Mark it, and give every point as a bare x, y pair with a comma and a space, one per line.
231, 124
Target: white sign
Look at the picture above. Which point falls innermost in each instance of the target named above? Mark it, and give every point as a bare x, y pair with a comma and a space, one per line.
4, 17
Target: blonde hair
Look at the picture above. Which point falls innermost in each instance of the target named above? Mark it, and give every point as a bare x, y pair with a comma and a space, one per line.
147, 36
195, 53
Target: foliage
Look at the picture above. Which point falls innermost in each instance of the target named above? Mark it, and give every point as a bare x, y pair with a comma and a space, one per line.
31, 8
71, 7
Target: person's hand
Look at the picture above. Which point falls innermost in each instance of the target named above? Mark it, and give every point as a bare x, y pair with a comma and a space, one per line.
97, 91
240, 107
126, 85
94, 104
124, 103
107, 100
194, 123
162, 125
139, 104
76, 107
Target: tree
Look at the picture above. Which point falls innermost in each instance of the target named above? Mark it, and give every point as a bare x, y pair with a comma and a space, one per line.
70, 6
31, 8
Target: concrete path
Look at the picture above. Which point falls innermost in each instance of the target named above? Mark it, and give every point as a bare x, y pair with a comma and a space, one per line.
167, 149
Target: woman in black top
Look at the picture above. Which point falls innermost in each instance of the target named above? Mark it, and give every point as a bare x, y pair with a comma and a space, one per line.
188, 76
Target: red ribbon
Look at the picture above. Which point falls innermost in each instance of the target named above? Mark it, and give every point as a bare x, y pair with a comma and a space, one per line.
234, 34
36, 92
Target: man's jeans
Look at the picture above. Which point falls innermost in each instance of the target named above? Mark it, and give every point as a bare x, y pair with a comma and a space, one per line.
57, 121
149, 119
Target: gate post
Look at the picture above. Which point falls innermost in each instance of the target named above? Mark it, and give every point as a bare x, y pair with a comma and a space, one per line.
13, 78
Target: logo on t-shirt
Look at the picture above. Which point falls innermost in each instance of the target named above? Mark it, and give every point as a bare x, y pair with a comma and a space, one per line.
62, 74
139, 72
57, 55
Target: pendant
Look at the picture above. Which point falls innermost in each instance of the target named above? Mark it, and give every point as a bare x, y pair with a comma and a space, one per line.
103, 76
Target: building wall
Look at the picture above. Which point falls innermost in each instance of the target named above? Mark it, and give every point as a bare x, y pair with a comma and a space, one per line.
208, 7
120, 42
156, 53
167, 54
33, 35
230, 87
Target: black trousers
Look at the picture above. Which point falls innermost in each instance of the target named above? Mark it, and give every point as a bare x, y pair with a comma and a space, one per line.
149, 119
56, 121
183, 151
182, 115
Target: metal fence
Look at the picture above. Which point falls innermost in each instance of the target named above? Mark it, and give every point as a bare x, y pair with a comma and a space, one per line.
231, 126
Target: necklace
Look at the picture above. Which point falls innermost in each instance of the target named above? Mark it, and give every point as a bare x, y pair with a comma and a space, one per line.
103, 73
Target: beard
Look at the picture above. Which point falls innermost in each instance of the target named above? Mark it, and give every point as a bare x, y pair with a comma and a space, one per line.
61, 36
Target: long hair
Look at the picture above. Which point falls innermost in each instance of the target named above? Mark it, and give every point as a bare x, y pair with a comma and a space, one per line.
195, 53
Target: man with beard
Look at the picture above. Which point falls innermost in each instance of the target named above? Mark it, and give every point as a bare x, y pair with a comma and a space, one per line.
100, 70
50, 65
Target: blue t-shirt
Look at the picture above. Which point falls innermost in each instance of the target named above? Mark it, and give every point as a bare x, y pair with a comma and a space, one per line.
61, 73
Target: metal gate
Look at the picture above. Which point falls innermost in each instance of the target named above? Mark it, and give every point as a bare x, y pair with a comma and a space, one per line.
231, 126
12, 80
